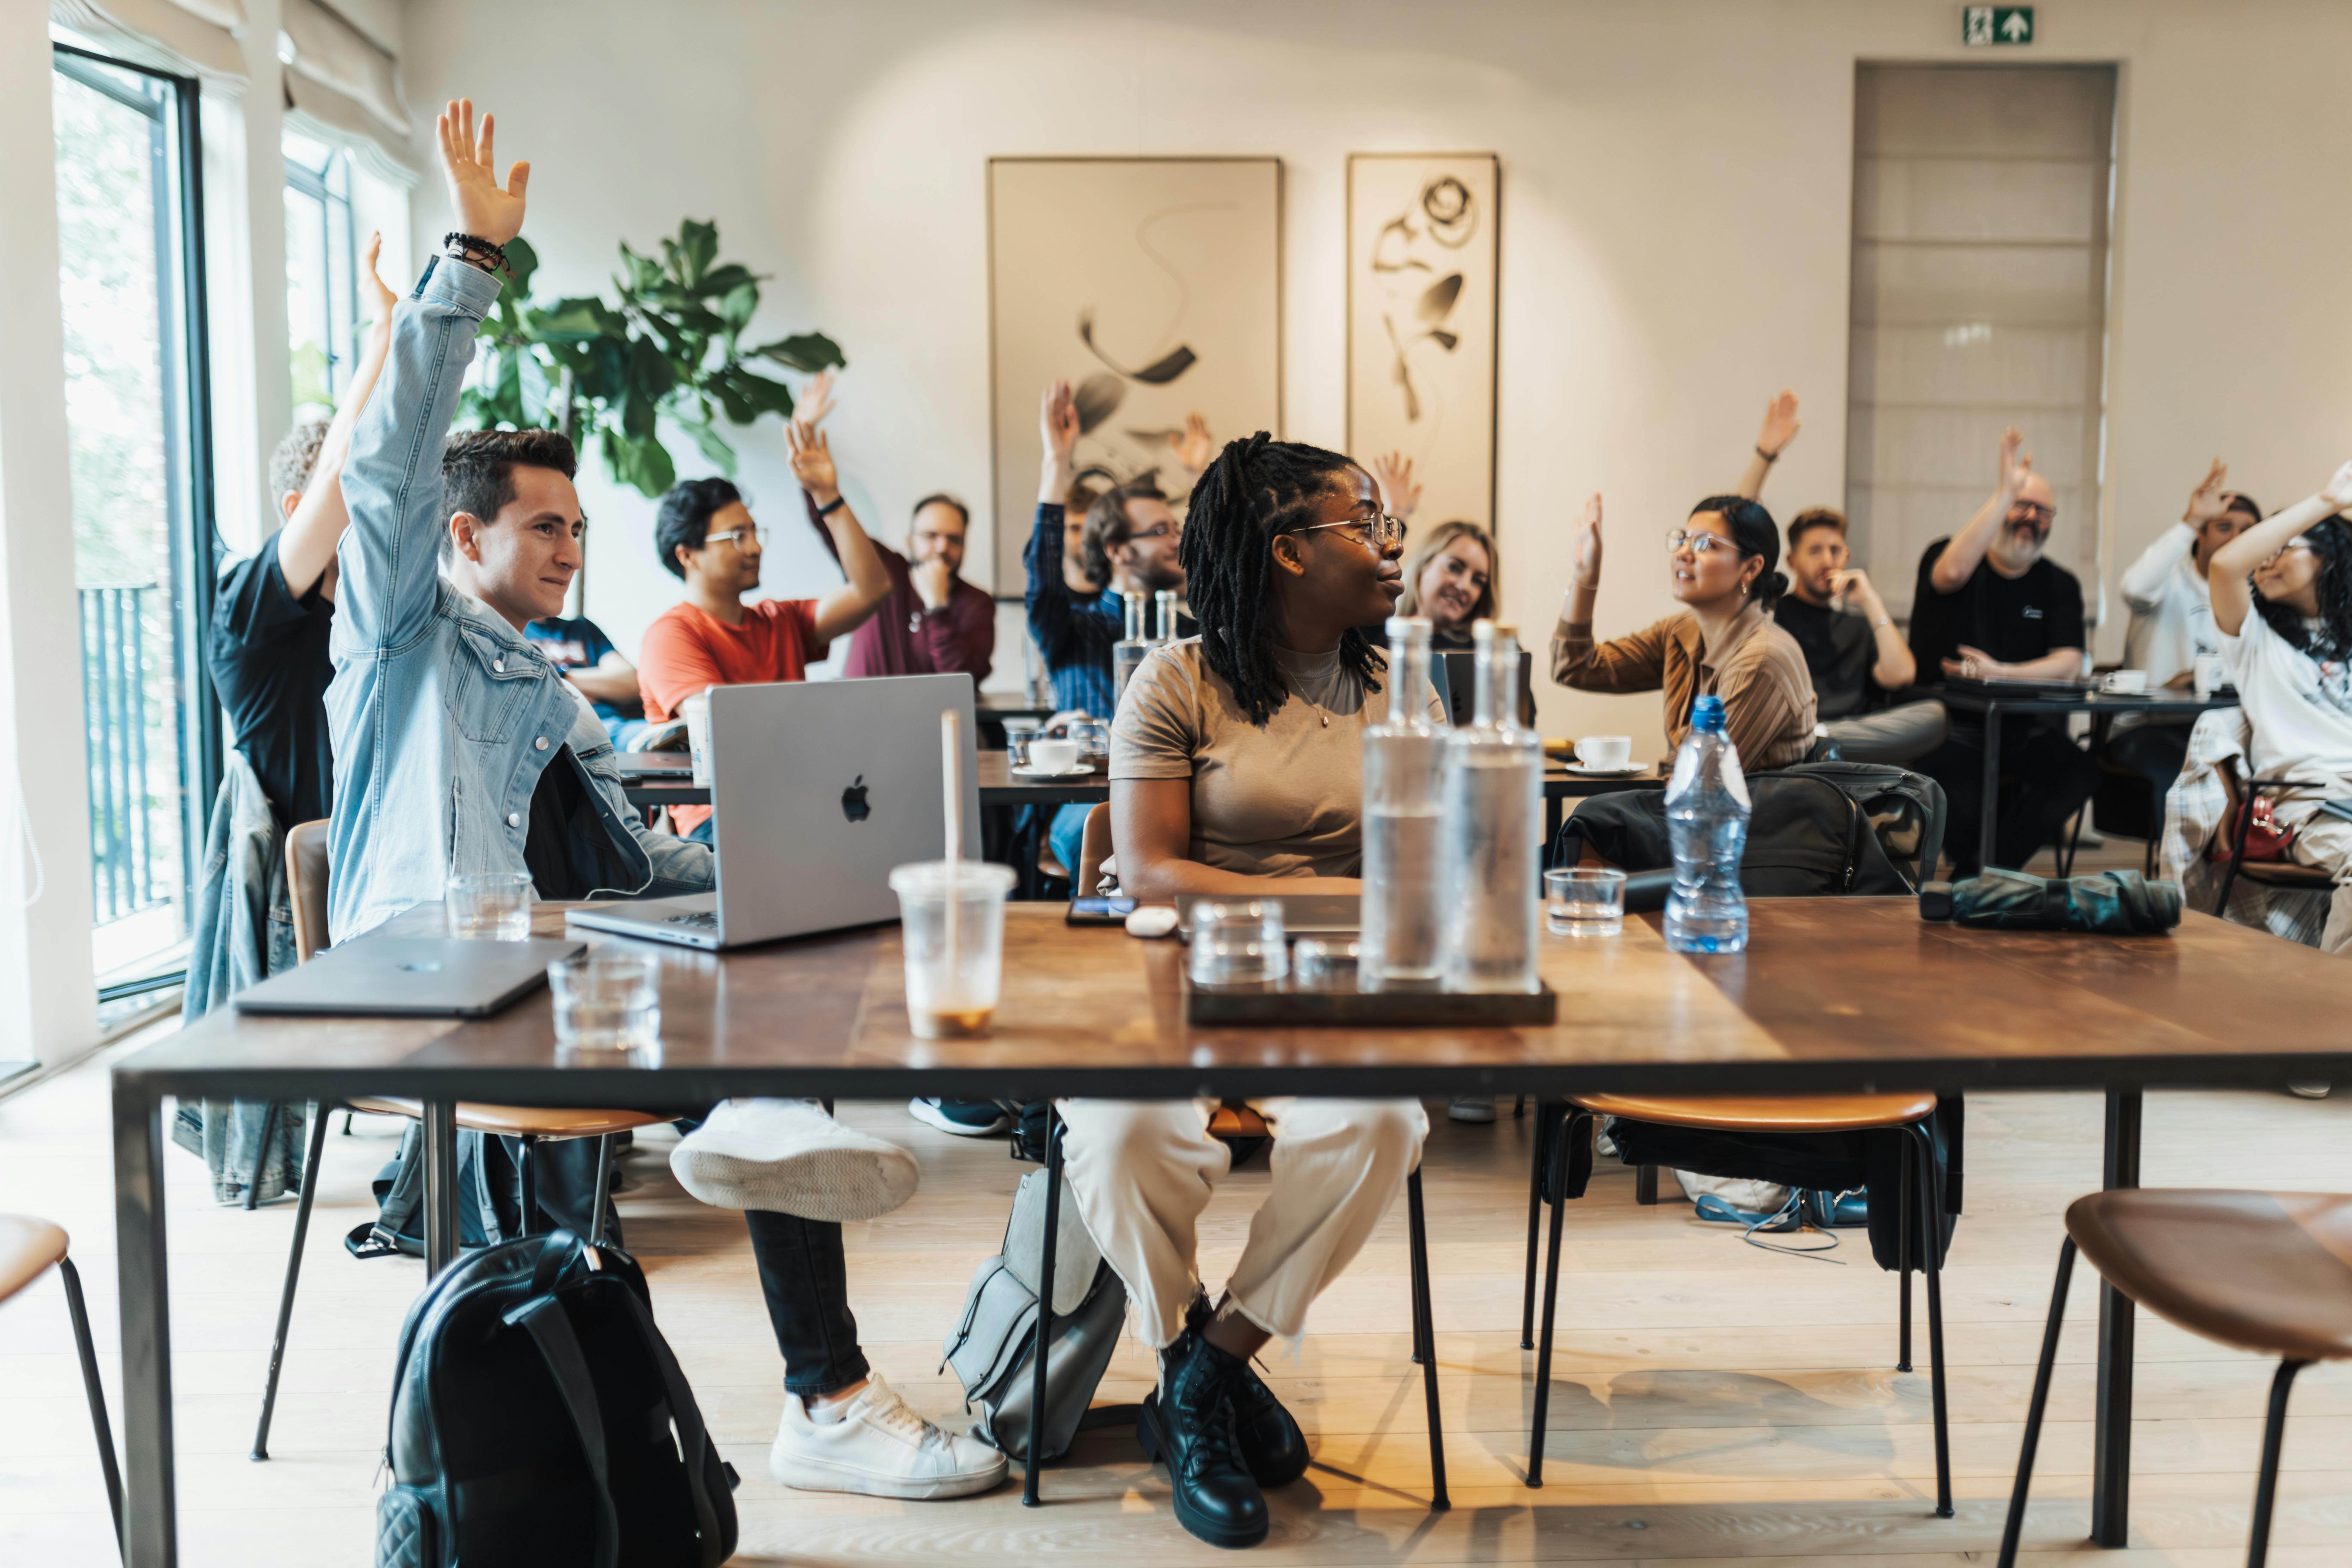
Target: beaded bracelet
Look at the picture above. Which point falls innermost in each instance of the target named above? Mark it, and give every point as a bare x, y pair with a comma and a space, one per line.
469, 245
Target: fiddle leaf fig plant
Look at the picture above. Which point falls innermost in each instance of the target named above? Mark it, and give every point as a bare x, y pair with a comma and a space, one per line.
672, 347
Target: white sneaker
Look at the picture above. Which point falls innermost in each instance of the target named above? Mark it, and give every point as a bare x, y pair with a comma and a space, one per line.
2312, 1089
873, 1444
788, 1156
1475, 1108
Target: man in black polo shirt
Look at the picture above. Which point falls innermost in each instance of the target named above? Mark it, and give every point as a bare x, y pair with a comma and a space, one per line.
1857, 659
1988, 606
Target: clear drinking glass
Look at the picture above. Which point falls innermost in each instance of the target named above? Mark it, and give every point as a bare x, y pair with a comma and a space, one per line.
1018, 733
1238, 943
952, 916
1321, 964
1584, 900
605, 1002
493, 905
1093, 737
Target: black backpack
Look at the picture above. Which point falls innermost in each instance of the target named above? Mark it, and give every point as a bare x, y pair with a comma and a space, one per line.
538, 1418
1814, 828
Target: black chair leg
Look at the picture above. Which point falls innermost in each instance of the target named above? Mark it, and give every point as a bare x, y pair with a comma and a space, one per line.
1425, 1333
2015, 1528
1518, 1105
347, 1123
78, 1310
1035, 1462
1646, 1184
603, 1189
1933, 1245
293, 1274
261, 1154
1569, 1122
2258, 1547
1903, 1272
1535, 1208
526, 1181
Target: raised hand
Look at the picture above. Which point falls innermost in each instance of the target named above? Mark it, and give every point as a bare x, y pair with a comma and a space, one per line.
2207, 503
1058, 422
484, 208
2337, 492
386, 301
815, 400
1584, 542
1397, 490
2016, 464
1781, 425
1194, 448
813, 462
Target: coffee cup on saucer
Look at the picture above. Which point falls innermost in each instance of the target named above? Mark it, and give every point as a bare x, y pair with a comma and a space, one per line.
1604, 754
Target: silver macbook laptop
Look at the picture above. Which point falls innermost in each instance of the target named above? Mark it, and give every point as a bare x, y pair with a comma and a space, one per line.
818, 788
419, 976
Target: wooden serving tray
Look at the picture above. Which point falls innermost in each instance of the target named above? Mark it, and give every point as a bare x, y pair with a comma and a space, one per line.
1402, 1009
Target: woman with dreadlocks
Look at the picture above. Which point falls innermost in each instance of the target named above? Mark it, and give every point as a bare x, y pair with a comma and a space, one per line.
1236, 768
2282, 605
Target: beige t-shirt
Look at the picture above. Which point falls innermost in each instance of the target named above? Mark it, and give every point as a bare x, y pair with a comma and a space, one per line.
1283, 801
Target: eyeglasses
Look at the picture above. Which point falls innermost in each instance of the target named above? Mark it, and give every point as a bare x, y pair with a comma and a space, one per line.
1698, 542
741, 538
1375, 533
1157, 531
2033, 509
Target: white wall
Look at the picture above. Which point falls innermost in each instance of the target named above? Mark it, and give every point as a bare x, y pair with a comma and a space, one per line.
1675, 215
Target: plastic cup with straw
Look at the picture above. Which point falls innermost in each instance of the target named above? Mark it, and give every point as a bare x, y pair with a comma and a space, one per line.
951, 914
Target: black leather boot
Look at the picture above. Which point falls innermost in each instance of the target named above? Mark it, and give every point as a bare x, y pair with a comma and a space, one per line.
1272, 1445
1187, 1422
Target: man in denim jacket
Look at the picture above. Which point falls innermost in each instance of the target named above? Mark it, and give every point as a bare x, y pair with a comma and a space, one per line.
460, 748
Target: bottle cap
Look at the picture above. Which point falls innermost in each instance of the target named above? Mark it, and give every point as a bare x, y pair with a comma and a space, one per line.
1401, 627
1707, 715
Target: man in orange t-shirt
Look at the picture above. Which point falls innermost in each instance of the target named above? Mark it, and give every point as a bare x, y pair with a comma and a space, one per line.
706, 535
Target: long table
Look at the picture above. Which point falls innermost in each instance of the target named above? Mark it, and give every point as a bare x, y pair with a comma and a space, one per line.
1833, 996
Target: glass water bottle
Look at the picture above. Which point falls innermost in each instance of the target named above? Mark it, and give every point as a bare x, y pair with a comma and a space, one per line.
1491, 814
1402, 912
1164, 604
1127, 654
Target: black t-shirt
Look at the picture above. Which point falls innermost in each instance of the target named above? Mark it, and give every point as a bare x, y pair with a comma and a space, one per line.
1840, 651
271, 667
2011, 618
556, 845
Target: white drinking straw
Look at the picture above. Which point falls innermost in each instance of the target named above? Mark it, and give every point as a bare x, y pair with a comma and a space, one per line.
951, 778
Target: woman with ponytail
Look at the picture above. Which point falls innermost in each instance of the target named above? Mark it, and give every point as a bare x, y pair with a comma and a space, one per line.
1236, 769
1722, 565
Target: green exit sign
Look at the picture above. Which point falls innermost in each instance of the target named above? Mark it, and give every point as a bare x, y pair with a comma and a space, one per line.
1996, 25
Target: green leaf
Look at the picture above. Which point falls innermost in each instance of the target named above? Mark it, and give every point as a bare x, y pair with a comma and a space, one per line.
736, 308
569, 321
606, 378
654, 471
637, 415
714, 446
807, 352
726, 279
643, 271
755, 393
650, 371
697, 246
522, 261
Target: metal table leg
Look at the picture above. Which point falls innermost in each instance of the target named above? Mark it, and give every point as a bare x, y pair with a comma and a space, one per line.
2111, 1442
440, 1185
1989, 816
151, 1538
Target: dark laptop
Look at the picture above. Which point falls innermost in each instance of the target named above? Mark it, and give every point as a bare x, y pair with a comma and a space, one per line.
410, 976
1457, 684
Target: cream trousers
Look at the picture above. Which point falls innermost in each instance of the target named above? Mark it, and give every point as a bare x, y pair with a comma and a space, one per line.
1141, 1171
2325, 841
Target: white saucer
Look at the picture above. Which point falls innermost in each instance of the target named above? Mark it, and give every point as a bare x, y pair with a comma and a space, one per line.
1627, 771
1036, 773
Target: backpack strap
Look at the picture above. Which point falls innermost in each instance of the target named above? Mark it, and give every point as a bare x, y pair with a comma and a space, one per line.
693, 1439
543, 1317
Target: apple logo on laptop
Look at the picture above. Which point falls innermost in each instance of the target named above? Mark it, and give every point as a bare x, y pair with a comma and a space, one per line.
853, 801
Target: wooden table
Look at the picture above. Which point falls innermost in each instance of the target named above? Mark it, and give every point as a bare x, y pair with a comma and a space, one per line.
1834, 996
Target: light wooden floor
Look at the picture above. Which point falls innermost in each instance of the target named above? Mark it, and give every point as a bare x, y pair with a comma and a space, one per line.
1712, 1401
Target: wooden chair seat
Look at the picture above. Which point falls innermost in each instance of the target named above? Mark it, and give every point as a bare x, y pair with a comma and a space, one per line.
2263, 1271
29, 1249
1794, 1113
518, 1121
2285, 874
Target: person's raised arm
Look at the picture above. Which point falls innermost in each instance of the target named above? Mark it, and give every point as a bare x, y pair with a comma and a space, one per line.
389, 554
2232, 565
849, 606
1780, 428
1894, 669
2144, 580
1965, 550
1399, 490
1049, 599
305, 546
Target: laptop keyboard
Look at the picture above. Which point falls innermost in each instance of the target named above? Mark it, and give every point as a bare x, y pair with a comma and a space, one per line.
701, 920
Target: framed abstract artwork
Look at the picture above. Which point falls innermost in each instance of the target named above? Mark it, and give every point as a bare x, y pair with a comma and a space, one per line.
1153, 286
1423, 306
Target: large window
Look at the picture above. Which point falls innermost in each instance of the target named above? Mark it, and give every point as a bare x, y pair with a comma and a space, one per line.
322, 288
128, 206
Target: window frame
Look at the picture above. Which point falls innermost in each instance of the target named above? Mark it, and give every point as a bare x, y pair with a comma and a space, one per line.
339, 246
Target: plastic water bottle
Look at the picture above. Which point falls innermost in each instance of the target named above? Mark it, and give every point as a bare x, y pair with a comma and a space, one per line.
1706, 816
1491, 825
1399, 946
1127, 654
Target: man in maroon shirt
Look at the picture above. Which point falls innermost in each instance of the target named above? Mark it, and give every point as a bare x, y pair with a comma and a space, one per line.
933, 623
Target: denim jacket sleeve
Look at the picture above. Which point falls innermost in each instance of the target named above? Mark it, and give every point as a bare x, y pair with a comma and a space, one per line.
391, 555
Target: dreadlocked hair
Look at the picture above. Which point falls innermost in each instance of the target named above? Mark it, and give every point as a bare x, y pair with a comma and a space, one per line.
2331, 540
1257, 488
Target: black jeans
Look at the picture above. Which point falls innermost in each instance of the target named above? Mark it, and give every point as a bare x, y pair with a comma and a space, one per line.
2155, 752
806, 1281
2046, 777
